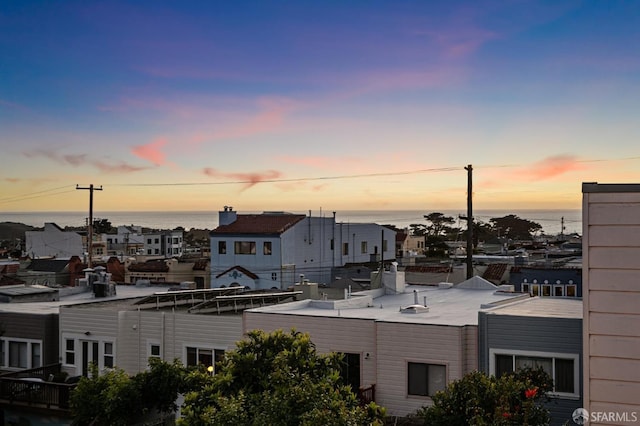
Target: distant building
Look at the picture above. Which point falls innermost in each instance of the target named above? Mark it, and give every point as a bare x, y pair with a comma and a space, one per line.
547, 282
272, 249
611, 294
53, 241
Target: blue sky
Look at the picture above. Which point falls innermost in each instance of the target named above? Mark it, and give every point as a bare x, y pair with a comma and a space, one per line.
299, 105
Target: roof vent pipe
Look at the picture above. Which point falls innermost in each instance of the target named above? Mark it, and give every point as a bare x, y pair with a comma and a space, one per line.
301, 278
415, 297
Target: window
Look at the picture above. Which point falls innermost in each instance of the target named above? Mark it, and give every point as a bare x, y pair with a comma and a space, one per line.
18, 354
245, 247
384, 245
350, 370
2, 361
206, 357
345, 249
108, 355
546, 290
69, 352
425, 379
535, 289
561, 367
154, 351
157, 251
363, 247
331, 244
525, 288
222, 247
149, 240
571, 291
558, 290
36, 355
266, 248
175, 240
274, 276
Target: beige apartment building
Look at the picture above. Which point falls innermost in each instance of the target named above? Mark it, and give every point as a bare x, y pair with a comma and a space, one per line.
611, 296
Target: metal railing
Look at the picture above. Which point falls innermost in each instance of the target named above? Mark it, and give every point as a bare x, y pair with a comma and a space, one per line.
34, 387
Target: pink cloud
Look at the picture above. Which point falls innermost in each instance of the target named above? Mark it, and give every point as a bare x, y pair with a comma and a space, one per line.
551, 167
249, 179
151, 151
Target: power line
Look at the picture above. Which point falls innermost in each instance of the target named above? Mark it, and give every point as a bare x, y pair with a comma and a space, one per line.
302, 179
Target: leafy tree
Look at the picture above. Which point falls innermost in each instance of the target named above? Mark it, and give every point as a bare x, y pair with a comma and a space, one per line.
439, 224
515, 228
478, 399
115, 398
418, 229
102, 226
276, 379
104, 399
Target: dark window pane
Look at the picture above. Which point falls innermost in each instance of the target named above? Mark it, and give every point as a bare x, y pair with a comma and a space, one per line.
504, 364
417, 378
564, 380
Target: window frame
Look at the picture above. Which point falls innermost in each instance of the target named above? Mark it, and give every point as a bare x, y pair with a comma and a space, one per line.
539, 354
267, 248
222, 247
30, 354
427, 364
244, 248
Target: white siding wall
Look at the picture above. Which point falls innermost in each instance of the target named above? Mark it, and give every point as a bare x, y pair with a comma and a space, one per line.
390, 346
328, 334
611, 294
86, 324
133, 332
399, 344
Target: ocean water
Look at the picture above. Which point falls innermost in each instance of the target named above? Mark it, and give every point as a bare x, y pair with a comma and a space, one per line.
550, 220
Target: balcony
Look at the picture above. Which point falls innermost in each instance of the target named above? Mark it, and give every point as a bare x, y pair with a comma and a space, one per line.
34, 389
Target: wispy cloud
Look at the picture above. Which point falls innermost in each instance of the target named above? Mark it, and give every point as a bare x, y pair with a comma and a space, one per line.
151, 151
78, 160
552, 167
248, 179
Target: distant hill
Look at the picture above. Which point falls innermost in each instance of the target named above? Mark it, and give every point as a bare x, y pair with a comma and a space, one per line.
12, 230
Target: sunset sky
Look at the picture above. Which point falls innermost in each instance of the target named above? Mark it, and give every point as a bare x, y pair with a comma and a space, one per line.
296, 105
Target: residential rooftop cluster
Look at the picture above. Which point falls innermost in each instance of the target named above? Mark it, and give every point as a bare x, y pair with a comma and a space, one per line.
407, 329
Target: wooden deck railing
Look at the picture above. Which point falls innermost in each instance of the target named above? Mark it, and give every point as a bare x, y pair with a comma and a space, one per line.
367, 395
33, 388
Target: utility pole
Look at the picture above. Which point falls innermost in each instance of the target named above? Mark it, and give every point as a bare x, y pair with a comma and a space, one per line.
90, 224
469, 170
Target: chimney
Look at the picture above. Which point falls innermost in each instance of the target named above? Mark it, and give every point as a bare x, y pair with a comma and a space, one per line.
227, 216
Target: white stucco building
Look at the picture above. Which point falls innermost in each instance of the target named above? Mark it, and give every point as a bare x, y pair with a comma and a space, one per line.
272, 249
53, 241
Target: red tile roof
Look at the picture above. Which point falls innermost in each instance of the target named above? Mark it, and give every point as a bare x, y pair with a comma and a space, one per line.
260, 224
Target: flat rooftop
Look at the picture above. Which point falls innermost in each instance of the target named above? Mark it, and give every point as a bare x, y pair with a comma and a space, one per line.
551, 307
447, 306
123, 292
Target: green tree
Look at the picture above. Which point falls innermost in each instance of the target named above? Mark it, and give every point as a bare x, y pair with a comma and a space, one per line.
102, 226
478, 399
515, 228
439, 224
111, 398
276, 379
115, 398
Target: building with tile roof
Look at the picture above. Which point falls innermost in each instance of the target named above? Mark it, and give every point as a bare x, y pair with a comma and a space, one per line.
275, 248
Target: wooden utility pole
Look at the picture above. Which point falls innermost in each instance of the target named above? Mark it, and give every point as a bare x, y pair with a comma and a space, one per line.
90, 224
469, 170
